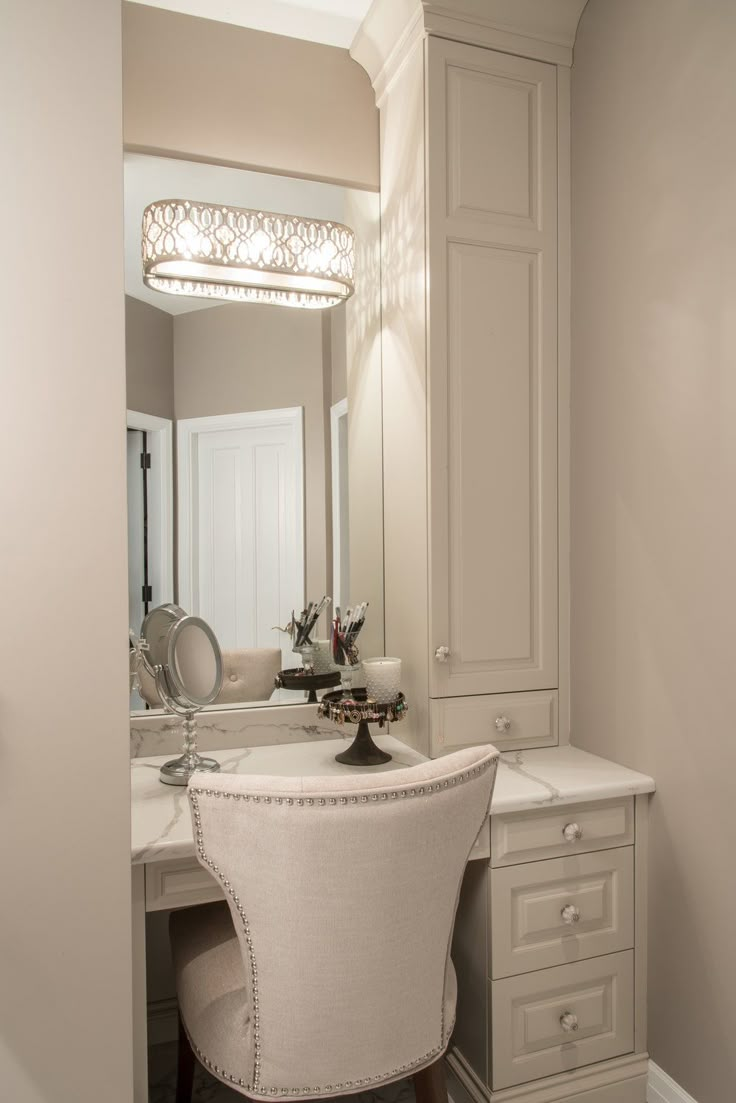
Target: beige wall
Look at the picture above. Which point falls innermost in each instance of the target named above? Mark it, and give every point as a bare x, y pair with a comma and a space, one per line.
248, 357
65, 954
246, 98
149, 358
654, 481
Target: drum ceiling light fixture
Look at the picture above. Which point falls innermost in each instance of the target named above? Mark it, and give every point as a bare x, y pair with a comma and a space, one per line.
240, 255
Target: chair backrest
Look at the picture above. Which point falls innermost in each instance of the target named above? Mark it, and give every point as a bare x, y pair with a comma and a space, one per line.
343, 892
248, 674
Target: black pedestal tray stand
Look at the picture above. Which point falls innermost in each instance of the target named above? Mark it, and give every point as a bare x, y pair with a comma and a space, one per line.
306, 681
356, 707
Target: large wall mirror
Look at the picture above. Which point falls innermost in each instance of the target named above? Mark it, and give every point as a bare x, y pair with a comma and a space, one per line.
253, 439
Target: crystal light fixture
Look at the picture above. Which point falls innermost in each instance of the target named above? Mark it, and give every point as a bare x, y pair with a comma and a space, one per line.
240, 255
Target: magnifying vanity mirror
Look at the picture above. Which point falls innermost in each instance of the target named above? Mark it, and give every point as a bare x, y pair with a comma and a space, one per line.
182, 658
254, 444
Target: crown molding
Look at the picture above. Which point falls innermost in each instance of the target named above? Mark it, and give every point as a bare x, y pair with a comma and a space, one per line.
541, 29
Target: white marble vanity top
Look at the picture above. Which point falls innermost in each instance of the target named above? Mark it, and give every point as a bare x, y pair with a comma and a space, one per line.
161, 827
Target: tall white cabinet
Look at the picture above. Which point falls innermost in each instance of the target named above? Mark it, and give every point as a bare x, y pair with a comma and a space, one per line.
492, 354
550, 941
474, 110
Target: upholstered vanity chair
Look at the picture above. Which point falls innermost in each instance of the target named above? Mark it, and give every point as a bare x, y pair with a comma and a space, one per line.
247, 675
327, 970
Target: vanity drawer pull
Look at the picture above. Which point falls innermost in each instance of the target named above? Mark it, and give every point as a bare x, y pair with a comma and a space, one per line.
502, 724
442, 654
568, 1021
571, 832
570, 914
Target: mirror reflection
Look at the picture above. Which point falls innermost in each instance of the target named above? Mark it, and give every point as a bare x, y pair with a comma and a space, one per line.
253, 440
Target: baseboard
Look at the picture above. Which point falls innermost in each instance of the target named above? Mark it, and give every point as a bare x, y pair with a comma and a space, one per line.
163, 1022
661, 1088
466, 1088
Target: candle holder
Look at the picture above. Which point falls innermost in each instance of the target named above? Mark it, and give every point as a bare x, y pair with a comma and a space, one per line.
358, 708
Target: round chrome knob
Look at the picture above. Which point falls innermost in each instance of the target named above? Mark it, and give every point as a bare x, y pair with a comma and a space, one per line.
568, 1021
570, 914
502, 723
571, 832
442, 654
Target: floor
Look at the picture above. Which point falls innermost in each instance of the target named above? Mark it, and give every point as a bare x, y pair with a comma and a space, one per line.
162, 1081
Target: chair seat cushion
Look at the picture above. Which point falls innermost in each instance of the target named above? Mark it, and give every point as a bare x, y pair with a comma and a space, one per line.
214, 996
214, 993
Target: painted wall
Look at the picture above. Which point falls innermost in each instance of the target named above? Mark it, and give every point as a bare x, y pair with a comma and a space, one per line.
149, 358
209, 91
248, 357
654, 481
65, 951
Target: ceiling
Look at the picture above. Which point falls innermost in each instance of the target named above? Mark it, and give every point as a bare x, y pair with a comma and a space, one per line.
333, 22
150, 178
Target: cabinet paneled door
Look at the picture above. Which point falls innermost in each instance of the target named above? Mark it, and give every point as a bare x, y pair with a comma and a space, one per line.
492, 246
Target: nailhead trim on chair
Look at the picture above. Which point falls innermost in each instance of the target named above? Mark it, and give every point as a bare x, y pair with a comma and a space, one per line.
194, 793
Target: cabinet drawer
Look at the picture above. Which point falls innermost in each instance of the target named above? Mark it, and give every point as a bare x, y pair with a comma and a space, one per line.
510, 721
178, 884
562, 910
558, 1020
567, 829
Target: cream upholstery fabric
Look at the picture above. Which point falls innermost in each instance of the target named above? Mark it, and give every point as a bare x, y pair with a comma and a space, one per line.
149, 693
247, 675
342, 894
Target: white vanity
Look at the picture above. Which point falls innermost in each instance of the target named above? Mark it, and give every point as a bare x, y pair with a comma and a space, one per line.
549, 949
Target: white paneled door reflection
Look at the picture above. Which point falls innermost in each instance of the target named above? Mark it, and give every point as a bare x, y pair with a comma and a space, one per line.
241, 523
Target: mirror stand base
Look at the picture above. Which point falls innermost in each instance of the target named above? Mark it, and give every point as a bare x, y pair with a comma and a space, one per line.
363, 751
179, 770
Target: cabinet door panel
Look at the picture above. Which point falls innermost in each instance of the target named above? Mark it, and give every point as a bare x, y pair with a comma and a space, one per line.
491, 126
493, 371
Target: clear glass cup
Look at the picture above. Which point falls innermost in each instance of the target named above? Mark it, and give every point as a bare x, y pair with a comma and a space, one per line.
348, 674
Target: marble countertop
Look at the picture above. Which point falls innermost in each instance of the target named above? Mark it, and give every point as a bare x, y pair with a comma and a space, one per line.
162, 830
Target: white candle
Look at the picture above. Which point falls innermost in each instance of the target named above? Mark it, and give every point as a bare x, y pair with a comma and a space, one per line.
382, 679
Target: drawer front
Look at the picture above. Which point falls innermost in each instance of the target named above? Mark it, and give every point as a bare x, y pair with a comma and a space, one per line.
510, 721
563, 910
567, 829
561, 1019
179, 884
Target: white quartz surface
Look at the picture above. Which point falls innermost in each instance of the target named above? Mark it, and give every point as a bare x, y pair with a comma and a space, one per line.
161, 826
561, 775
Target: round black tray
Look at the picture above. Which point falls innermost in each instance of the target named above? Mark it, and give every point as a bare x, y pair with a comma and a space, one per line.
298, 678
356, 707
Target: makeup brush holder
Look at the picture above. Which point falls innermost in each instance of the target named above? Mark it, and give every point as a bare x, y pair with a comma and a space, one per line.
358, 708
